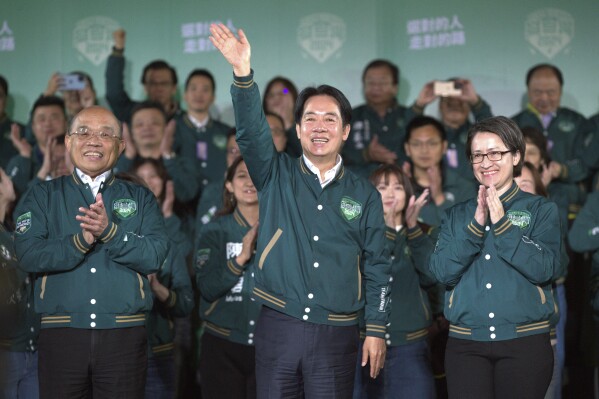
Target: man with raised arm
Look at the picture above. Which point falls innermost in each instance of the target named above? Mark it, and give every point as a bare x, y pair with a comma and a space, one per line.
321, 248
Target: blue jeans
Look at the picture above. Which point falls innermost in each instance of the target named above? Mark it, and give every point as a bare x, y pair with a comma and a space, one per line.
18, 378
407, 374
160, 381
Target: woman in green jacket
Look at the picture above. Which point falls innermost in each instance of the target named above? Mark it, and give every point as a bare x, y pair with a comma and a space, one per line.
224, 271
497, 255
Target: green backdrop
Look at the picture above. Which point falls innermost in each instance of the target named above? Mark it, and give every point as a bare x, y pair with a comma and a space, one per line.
310, 42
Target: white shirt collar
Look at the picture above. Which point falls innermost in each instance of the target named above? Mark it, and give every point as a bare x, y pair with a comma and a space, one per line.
94, 184
197, 123
329, 175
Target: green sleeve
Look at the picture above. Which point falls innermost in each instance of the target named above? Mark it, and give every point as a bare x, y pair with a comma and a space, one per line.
536, 256
37, 253
184, 172
459, 242
215, 275
143, 253
584, 233
180, 301
117, 97
253, 133
20, 170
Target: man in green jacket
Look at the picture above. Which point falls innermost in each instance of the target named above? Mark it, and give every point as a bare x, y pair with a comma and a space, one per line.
322, 233
91, 240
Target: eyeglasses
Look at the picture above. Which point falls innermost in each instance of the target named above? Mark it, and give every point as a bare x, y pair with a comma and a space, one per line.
491, 156
84, 133
424, 144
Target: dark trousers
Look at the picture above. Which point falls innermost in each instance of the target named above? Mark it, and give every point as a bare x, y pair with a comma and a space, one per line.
295, 358
513, 369
78, 363
227, 369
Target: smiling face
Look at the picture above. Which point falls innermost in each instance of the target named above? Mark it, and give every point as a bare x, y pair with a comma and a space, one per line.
493, 173
279, 100
425, 147
147, 127
94, 156
242, 187
160, 86
544, 91
199, 94
392, 192
48, 121
321, 131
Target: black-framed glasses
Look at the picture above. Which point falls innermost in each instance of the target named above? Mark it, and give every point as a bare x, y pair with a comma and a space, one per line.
491, 156
83, 133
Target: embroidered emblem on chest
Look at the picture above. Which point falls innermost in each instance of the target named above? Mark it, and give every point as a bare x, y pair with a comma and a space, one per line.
350, 209
23, 223
519, 218
124, 208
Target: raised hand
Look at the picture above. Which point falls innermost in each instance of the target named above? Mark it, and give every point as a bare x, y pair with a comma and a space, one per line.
53, 84
248, 245
415, 205
166, 145
494, 204
379, 153
237, 52
48, 164
119, 39
390, 215
94, 220
436, 184
482, 210
130, 150
468, 93
426, 95
169, 199
20, 143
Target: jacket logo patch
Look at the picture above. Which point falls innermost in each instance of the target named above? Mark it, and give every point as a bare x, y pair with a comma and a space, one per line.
519, 218
23, 223
202, 257
124, 208
350, 209
566, 126
220, 141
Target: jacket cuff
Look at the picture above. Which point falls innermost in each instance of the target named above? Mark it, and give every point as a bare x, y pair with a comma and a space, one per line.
502, 226
109, 233
390, 233
475, 229
234, 267
415, 232
244, 82
171, 301
375, 329
80, 244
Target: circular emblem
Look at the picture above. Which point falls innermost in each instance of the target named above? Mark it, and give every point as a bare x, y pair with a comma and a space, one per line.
92, 37
321, 35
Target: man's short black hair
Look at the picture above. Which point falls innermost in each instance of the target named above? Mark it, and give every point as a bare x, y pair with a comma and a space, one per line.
148, 104
552, 68
4, 85
46, 101
385, 64
159, 64
323, 90
421, 121
201, 72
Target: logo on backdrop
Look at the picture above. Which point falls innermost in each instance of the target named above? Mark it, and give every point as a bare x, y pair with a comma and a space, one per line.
92, 37
195, 36
321, 35
7, 39
435, 32
549, 31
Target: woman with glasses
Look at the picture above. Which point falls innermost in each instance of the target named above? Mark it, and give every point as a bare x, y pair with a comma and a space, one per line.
496, 256
425, 145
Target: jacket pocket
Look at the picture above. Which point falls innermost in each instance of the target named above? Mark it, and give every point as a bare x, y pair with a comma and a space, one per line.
269, 247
